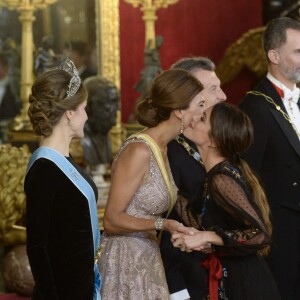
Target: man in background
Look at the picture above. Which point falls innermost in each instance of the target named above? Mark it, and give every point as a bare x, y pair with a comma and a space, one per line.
275, 154
78, 52
8, 105
185, 276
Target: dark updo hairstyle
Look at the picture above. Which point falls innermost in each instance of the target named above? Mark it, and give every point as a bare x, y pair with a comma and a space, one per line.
171, 90
232, 132
49, 101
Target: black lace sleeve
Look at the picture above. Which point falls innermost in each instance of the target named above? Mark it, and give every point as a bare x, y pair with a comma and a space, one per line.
245, 232
190, 216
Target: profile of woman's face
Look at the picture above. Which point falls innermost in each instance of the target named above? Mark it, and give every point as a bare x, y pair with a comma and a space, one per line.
79, 119
194, 111
199, 130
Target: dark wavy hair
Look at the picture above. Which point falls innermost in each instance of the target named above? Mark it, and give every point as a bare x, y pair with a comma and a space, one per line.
171, 90
48, 100
232, 132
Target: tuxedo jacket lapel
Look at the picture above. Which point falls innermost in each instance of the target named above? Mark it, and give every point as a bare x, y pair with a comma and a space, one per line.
287, 129
284, 124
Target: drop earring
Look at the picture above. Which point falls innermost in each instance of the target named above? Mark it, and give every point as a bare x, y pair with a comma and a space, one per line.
181, 127
70, 122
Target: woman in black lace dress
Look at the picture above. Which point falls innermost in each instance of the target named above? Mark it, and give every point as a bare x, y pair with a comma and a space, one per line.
235, 215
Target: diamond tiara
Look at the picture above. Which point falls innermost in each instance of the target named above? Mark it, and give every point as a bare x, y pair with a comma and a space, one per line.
74, 84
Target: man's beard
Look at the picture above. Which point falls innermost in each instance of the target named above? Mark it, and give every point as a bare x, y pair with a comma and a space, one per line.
292, 74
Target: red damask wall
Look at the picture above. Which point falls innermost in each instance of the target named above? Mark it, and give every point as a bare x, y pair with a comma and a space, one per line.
189, 27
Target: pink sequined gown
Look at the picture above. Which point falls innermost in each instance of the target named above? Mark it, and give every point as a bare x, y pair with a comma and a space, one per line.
131, 265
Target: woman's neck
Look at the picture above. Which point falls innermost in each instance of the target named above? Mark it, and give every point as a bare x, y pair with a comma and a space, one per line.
211, 162
210, 157
162, 135
58, 142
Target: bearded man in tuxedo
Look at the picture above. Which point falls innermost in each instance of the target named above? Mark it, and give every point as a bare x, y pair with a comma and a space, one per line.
275, 153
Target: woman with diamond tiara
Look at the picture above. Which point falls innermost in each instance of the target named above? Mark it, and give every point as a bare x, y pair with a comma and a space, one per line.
235, 214
143, 189
62, 223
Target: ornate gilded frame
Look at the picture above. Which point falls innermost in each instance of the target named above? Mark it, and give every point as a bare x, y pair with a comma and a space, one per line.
107, 35
108, 47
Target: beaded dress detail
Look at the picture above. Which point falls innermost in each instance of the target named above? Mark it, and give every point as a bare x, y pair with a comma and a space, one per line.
130, 264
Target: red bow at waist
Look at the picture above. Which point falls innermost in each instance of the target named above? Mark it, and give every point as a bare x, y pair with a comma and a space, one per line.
214, 265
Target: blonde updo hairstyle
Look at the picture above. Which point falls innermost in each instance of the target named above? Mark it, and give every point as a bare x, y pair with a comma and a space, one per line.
48, 100
171, 90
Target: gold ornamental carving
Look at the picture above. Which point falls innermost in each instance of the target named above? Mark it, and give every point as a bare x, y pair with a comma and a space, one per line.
149, 8
13, 164
246, 52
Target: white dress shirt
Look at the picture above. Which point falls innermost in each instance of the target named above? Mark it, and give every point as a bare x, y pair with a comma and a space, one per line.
290, 99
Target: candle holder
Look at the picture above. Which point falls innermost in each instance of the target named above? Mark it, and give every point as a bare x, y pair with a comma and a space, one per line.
149, 8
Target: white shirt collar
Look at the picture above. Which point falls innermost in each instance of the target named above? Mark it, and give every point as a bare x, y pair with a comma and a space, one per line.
288, 94
278, 83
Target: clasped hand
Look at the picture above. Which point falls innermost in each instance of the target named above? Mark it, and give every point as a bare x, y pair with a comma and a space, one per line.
196, 241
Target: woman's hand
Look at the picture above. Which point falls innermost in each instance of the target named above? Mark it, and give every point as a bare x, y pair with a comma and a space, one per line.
205, 249
175, 227
182, 241
199, 241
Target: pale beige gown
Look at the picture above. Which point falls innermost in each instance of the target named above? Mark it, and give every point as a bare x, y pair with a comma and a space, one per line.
130, 264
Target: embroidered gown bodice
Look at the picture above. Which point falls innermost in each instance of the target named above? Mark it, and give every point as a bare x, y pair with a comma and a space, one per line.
130, 264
